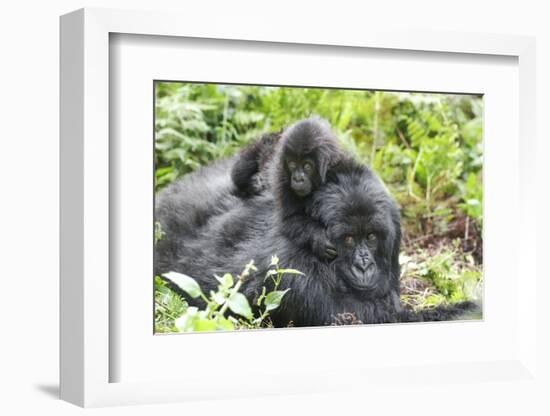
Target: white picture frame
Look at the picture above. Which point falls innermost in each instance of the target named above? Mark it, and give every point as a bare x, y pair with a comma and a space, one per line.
86, 305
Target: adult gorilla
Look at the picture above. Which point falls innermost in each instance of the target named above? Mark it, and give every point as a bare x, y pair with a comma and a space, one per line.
187, 205
361, 218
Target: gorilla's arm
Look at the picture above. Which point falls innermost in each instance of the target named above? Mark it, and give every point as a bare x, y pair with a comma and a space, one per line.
460, 310
251, 169
306, 232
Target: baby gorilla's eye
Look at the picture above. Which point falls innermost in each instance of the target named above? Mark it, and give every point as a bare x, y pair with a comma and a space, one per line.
371, 237
308, 167
292, 165
349, 240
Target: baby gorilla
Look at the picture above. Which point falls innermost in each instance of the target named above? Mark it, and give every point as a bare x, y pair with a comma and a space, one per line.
293, 164
308, 150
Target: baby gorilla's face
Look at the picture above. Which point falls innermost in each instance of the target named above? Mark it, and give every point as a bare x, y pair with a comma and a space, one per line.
301, 172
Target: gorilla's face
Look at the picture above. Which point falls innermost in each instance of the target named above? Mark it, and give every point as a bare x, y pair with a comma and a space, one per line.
363, 259
363, 223
358, 251
308, 148
302, 172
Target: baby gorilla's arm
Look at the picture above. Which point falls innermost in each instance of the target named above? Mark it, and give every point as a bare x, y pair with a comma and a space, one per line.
306, 232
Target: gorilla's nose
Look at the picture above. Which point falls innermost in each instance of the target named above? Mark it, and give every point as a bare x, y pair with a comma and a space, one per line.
362, 263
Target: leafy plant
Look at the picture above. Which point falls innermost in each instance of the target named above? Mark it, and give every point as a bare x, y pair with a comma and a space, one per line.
447, 274
168, 307
472, 197
158, 232
196, 123
225, 308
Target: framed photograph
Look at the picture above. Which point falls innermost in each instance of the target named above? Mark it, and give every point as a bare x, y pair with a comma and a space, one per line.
291, 209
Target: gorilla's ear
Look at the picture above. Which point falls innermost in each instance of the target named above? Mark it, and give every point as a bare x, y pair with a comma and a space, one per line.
324, 163
329, 154
326, 157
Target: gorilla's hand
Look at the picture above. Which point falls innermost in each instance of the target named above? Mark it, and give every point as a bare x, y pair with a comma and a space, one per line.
322, 247
257, 185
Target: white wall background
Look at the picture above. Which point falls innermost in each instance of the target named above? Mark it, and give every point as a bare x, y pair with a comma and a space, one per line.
29, 206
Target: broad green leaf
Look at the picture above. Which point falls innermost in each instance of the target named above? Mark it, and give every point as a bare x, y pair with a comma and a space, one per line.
186, 322
239, 305
217, 297
203, 325
273, 299
202, 315
226, 281
225, 324
182, 322
185, 283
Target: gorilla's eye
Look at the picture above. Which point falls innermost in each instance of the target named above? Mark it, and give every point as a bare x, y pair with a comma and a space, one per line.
371, 237
349, 240
292, 165
308, 167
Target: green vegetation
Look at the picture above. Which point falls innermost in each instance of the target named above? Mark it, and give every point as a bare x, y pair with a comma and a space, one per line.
173, 314
427, 148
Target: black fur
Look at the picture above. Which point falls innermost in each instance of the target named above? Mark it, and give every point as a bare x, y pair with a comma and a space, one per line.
222, 233
460, 310
307, 139
184, 207
250, 173
264, 165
